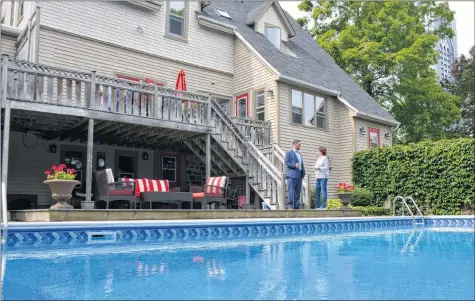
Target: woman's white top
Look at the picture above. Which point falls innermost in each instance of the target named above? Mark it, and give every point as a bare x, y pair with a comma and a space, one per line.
322, 168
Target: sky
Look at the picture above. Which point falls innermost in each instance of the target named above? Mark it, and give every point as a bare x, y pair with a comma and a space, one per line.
464, 18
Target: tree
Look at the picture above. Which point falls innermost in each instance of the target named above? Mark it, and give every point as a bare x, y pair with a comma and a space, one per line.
463, 71
389, 48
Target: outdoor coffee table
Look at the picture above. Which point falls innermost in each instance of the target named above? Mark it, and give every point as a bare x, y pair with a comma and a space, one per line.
167, 197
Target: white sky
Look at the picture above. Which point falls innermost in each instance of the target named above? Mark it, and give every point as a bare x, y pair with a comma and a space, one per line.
464, 17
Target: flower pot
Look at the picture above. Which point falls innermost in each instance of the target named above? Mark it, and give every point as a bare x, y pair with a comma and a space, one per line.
61, 192
345, 198
87, 205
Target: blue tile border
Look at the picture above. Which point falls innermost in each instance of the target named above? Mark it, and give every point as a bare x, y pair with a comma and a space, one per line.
27, 235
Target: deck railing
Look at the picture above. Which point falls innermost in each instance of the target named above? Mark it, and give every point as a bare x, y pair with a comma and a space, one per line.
257, 131
30, 82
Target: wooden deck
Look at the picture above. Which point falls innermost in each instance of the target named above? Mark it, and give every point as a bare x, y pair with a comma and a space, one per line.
48, 215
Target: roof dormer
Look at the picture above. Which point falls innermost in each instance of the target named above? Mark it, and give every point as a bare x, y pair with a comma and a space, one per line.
270, 15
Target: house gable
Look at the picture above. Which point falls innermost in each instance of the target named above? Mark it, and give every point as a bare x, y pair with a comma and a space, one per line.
272, 17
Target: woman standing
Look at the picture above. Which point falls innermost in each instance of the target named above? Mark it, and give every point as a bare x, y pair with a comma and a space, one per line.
322, 170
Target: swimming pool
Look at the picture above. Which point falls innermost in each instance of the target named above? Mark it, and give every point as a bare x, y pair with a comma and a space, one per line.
352, 258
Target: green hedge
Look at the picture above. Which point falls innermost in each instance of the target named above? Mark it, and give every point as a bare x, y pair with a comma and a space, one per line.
439, 175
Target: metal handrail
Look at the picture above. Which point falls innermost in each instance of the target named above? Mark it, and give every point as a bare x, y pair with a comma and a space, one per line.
417, 207
408, 208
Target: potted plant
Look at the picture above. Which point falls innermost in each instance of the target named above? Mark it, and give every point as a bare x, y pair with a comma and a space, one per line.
61, 181
345, 194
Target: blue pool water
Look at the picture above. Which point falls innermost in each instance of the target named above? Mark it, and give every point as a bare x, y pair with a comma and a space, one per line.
408, 264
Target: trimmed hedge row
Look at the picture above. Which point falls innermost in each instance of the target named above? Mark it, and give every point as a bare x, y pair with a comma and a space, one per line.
438, 175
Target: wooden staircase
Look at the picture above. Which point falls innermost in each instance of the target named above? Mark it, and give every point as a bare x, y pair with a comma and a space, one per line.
235, 152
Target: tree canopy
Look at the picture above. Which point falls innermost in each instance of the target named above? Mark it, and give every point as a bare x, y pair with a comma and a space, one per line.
389, 48
463, 70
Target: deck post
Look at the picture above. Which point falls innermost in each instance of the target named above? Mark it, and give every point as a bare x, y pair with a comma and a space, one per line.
90, 140
248, 192
282, 200
3, 99
6, 144
208, 156
92, 97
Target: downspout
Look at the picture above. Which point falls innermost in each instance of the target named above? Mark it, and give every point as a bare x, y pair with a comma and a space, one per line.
29, 32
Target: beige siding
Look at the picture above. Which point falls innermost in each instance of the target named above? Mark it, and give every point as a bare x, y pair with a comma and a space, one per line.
8, 45
250, 75
272, 17
362, 138
311, 138
117, 22
30, 157
346, 144
70, 51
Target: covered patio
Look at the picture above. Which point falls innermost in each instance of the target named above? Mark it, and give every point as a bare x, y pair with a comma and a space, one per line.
133, 129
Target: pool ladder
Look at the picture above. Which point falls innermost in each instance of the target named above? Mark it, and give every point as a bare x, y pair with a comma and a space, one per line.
404, 201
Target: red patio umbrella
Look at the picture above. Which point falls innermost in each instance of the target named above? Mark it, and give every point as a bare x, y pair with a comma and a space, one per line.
180, 81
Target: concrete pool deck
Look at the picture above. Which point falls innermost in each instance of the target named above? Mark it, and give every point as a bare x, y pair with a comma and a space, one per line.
50, 215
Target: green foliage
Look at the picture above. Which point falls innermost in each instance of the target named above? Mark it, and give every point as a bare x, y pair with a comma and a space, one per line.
388, 47
463, 70
374, 211
362, 197
440, 175
334, 204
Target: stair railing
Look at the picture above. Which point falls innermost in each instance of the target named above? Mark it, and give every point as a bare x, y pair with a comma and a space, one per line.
260, 167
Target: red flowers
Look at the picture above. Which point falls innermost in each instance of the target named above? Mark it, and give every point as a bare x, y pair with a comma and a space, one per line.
60, 172
343, 187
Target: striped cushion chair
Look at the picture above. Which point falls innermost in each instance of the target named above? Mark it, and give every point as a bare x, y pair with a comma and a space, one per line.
160, 188
214, 191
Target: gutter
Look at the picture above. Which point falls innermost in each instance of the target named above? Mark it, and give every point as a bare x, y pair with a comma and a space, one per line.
10, 30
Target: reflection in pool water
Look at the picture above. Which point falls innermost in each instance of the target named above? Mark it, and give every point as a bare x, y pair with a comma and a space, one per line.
396, 264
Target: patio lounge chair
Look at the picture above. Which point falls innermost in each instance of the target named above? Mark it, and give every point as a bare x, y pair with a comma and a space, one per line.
215, 191
149, 191
108, 191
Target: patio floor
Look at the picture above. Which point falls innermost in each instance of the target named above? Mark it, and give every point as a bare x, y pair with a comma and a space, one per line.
49, 215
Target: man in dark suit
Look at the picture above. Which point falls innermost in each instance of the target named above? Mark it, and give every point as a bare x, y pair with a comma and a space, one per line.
295, 173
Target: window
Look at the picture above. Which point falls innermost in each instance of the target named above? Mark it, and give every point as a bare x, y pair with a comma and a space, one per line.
241, 106
320, 114
260, 105
309, 113
169, 168
273, 34
177, 19
224, 103
297, 107
20, 11
373, 138
223, 13
308, 109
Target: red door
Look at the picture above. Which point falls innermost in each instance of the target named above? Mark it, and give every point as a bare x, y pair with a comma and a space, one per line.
373, 138
242, 105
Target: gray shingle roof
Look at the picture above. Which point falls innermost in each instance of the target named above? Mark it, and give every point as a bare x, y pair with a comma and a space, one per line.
312, 64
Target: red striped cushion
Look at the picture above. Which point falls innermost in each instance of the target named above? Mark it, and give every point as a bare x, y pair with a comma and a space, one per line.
157, 185
139, 185
215, 184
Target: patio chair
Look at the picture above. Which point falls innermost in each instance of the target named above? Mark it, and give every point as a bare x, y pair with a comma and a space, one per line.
149, 191
214, 192
108, 191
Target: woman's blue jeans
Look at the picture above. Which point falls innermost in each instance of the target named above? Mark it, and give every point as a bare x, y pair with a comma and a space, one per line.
321, 189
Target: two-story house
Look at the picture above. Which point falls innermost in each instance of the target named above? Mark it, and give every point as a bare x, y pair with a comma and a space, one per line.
271, 78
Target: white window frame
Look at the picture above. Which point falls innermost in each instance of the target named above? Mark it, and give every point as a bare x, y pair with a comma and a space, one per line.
316, 113
185, 17
267, 26
260, 109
